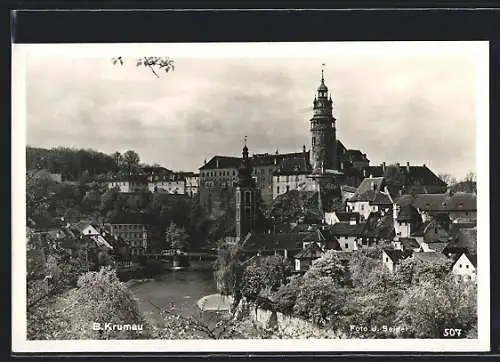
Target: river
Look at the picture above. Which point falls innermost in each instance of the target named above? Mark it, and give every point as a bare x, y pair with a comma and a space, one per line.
182, 288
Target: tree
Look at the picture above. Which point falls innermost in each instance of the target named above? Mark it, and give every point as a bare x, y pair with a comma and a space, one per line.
321, 302
328, 265
131, 161
176, 237
448, 179
154, 64
428, 308
118, 160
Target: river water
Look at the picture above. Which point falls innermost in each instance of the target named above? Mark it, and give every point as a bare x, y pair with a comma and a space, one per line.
181, 287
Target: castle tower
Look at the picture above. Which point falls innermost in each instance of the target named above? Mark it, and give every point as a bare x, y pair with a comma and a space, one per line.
247, 197
323, 153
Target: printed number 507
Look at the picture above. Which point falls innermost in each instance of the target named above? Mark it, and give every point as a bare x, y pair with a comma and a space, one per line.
452, 332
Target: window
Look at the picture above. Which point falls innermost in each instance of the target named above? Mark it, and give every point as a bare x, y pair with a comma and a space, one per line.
467, 266
234, 173
387, 260
460, 266
287, 188
346, 245
277, 189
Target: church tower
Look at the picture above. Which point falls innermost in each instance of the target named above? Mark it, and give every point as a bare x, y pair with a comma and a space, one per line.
247, 197
323, 153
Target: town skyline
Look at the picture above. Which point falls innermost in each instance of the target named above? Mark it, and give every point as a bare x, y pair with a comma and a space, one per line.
199, 111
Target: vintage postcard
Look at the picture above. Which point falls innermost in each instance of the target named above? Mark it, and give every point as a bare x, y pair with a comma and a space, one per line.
316, 197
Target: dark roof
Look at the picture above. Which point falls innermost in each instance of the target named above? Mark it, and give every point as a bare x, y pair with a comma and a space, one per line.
354, 155
438, 247
421, 174
370, 190
347, 216
408, 213
222, 162
344, 229
312, 251
409, 243
155, 170
473, 258
396, 255
275, 241
348, 188
430, 257
440, 202
294, 165
467, 238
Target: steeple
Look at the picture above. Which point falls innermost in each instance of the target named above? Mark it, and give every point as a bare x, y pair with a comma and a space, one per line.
245, 170
323, 138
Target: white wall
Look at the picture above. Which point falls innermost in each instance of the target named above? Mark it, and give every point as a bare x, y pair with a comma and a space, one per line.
464, 268
363, 207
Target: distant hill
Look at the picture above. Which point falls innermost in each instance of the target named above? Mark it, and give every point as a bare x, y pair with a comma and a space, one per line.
70, 163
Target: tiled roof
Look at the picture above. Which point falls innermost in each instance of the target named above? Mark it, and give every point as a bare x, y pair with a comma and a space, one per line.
368, 189
294, 165
430, 257
421, 174
344, 229
440, 202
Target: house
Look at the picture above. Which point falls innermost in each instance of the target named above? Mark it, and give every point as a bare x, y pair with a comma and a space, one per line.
465, 268
456, 206
433, 232
136, 235
392, 258
341, 216
430, 257
304, 258
407, 219
84, 228
322, 238
410, 244
278, 244
349, 236
370, 196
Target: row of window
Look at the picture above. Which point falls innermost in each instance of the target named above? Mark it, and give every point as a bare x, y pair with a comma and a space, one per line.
125, 227
287, 178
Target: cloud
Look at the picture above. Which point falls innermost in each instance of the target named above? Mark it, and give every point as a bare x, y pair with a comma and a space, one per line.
418, 108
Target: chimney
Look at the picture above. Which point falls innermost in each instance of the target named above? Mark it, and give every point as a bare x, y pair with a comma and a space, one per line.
373, 186
277, 152
423, 165
407, 167
304, 148
275, 161
205, 161
395, 209
397, 164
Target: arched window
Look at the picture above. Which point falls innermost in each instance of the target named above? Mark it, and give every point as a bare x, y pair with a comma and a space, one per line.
277, 189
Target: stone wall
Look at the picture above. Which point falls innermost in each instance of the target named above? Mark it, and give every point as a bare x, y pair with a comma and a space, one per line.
289, 326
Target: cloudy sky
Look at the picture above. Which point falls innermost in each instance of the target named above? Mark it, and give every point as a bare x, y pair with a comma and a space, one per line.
415, 105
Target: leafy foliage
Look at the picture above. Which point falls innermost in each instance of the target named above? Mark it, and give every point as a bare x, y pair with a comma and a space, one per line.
328, 265
154, 64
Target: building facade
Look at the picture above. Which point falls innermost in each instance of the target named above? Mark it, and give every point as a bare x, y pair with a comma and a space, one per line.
135, 235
